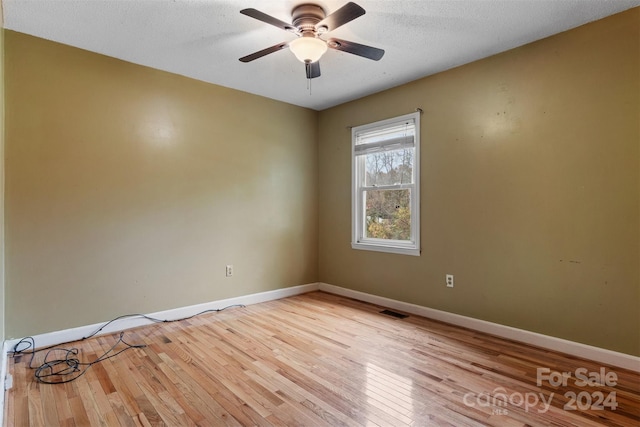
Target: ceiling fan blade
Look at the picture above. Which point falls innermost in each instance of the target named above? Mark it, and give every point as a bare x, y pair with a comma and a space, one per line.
313, 69
346, 13
263, 52
261, 16
356, 49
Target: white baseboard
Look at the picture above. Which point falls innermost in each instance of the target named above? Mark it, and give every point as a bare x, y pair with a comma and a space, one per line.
3, 377
74, 334
583, 351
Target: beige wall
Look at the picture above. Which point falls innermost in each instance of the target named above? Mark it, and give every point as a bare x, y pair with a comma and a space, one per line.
530, 189
128, 189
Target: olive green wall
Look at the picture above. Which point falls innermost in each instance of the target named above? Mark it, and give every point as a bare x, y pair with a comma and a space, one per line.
530, 189
128, 189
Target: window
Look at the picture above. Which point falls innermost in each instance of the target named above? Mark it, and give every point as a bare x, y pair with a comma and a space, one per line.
385, 189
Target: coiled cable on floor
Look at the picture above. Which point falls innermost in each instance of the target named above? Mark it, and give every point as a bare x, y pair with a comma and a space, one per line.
68, 367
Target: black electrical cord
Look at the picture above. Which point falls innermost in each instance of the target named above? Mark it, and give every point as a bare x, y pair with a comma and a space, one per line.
71, 365
69, 368
153, 319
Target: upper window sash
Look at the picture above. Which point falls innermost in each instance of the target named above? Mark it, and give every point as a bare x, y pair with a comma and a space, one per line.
385, 145
386, 139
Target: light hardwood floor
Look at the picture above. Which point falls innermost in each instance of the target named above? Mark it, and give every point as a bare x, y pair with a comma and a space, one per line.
316, 360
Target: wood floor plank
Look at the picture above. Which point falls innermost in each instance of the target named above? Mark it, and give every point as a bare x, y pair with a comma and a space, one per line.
36, 417
198, 400
19, 390
78, 410
59, 398
124, 417
314, 360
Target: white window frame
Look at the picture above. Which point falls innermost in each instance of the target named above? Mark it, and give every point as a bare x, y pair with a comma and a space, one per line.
359, 239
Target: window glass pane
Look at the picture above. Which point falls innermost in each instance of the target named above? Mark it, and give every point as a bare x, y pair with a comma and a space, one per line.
391, 167
388, 214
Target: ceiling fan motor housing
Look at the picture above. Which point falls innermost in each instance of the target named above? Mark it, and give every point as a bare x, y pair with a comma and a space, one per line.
306, 16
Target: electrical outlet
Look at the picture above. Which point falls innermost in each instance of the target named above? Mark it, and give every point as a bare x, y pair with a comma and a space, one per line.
229, 270
449, 280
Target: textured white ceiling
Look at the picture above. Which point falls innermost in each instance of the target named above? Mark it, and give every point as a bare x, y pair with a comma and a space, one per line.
203, 39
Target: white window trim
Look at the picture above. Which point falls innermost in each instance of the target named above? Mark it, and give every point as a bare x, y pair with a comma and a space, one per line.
357, 226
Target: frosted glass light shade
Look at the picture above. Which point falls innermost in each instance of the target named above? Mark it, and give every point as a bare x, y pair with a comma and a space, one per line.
308, 49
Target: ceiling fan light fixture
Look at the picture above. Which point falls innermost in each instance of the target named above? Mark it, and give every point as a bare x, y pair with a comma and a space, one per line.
308, 49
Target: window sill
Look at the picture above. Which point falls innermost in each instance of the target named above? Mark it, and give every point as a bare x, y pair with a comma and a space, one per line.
386, 248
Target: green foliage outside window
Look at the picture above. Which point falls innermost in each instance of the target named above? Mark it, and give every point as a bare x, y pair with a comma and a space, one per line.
388, 214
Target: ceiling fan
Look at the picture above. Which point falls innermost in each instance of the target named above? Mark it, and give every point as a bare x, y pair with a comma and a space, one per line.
309, 23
